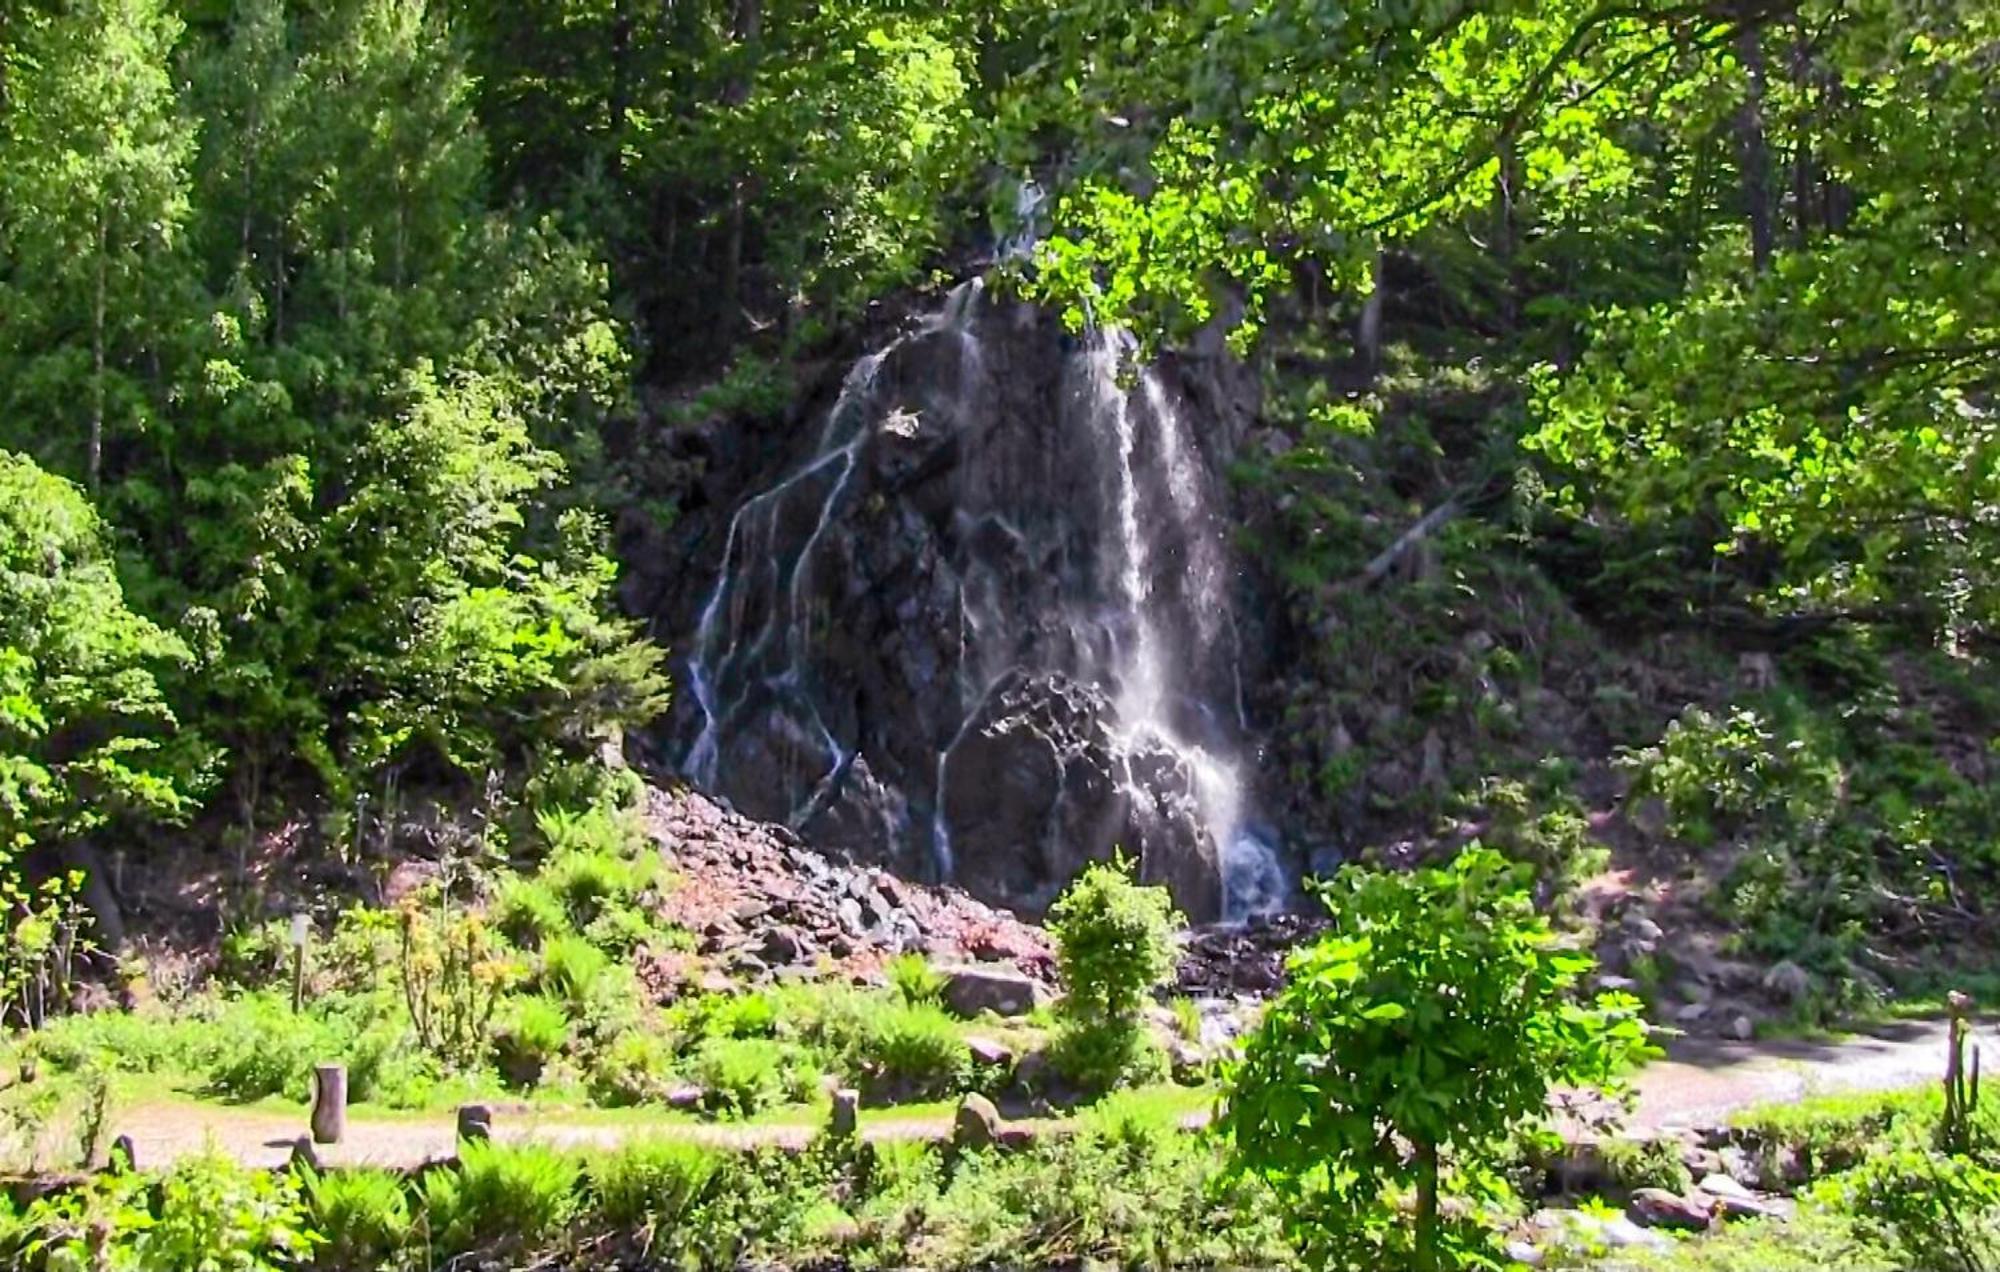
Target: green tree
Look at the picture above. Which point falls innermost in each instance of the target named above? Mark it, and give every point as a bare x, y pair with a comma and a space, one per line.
93, 195
85, 731
1409, 1043
1114, 943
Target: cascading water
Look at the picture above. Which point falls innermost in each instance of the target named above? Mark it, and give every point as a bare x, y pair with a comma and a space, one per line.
988, 623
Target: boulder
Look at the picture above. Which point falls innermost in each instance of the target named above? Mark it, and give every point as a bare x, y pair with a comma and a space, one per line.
968, 991
985, 1051
1658, 1208
976, 1125
1788, 981
1732, 1200
781, 946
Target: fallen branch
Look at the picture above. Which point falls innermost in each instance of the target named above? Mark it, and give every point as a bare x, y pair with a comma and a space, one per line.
1386, 560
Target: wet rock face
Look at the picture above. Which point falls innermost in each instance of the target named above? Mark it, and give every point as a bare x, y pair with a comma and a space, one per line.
1038, 785
914, 626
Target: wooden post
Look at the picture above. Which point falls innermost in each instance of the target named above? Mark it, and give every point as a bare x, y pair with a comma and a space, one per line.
329, 1111
845, 1123
299, 931
475, 1122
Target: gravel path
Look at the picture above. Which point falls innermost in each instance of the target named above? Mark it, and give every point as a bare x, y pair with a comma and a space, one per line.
1700, 1082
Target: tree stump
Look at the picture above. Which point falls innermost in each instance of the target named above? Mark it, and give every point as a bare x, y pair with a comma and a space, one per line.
329, 1110
475, 1122
124, 1157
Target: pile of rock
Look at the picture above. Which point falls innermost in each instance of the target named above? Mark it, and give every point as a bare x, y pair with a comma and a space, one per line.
762, 904
1242, 958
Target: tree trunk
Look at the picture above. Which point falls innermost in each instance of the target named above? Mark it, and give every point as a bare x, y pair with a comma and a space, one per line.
1427, 1208
1369, 336
95, 462
1754, 152
1802, 157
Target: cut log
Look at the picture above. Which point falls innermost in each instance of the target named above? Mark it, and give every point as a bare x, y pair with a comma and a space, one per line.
329, 1111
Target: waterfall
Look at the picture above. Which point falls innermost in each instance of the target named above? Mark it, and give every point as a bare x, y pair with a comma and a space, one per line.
1252, 878
992, 585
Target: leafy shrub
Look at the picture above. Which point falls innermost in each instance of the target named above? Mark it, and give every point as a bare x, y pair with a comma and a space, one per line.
1656, 1163
652, 1185
1187, 1018
636, 1068
1436, 1012
620, 929
1114, 943
915, 980
533, 1031
364, 1215
571, 968
1550, 835
1713, 773
1830, 1133
1114, 947
358, 957
915, 1050
1099, 1058
1932, 1211
746, 1075
529, 913
264, 1048
588, 883
751, 1015
210, 1213
453, 974
500, 1194
256, 955
130, 1042
1118, 1185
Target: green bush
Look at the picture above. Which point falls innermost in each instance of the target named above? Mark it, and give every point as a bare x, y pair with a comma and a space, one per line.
915, 980
1115, 948
130, 1042
752, 1015
1655, 1163
654, 1185
570, 970
363, 1214
209, 1212
1096, 1058
1716, 773
747, 1075
637, 1067
501, 1194
256, 955
362, 951
532, 1032
1119, 1188
264, 1048
1932, 1211
916, 1051
620, 929
529, 913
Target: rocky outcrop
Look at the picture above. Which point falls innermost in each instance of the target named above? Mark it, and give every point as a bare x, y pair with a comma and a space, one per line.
971, 613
